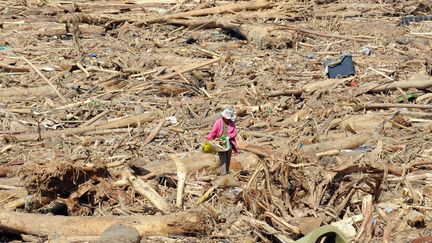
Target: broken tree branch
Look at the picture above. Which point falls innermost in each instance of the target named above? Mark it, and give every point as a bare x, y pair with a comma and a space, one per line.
155, 132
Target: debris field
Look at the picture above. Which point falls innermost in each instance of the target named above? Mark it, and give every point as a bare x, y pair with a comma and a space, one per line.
104, 106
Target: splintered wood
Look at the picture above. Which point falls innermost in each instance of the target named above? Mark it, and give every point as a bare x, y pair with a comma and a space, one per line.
105, 104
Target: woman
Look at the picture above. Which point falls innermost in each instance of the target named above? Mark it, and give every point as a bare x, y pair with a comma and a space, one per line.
224, 128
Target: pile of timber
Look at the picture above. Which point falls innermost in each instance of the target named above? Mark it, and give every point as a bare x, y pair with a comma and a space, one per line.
105, 104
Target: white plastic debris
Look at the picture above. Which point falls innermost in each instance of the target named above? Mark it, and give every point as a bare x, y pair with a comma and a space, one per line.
172, 119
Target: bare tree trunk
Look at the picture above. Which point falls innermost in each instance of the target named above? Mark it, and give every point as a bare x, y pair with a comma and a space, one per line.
190, 222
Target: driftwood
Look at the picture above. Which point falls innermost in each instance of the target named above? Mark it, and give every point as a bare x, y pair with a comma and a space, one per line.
91, 19
155, 132
222, 182
264, 36
345, 143
27, 92
196, 161
84, 29
374, 167
416, 219
391, 105
228, 8
317, 33
325, 84
192, 162
305, 156
367, 211
181, 175
405, 84
95, 19
4, 171
147, 191
256, 149
365, 122
191, 222
128, 121
188, 68
286, 92
20, 202
10, 68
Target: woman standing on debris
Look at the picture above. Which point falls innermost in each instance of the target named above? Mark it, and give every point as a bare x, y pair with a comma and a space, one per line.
224, 128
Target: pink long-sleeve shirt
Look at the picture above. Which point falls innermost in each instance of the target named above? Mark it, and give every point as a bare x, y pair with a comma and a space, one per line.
217, 132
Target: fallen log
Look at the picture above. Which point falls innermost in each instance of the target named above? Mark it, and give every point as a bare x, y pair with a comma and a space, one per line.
269, 35
188, 68
124, 122
181, 175
185, 223
15, 69
98, 19
227, 8
286, 92
27, 92
193, 162
367, 211
91, 19
256, 149
373, 167
423, 83
5, 171
341, 14
148, 192
264, 36
391, 105
325, 84
424, 115
345, 143
364, 122
224, 181
59, 31
317, 33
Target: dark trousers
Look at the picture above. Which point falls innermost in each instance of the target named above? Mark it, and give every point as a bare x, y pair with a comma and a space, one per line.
225, 159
